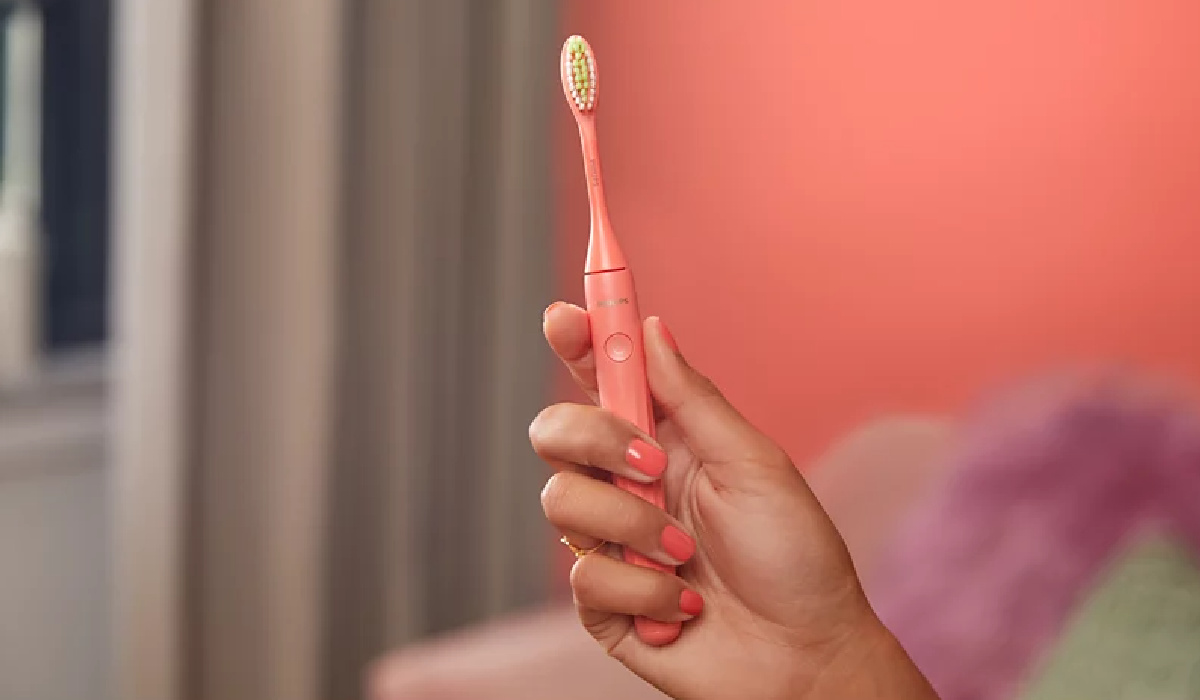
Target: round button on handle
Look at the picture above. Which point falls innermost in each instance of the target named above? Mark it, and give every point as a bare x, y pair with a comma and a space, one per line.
618, 347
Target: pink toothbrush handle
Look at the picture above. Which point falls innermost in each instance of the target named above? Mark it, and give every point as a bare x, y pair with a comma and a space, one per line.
620, 356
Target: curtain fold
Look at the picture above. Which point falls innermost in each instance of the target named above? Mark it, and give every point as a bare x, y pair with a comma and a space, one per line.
267, 255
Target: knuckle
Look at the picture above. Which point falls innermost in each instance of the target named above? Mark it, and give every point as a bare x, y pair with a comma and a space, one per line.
705, 387
584, 583
544, 424
778, 456
555, 496
655, 595
666, 590
633, 518
767, 452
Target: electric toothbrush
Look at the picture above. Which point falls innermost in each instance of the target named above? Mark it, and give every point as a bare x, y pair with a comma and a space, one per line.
616, 324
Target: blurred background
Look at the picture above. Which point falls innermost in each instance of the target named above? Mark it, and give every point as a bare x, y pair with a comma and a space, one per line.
272, 275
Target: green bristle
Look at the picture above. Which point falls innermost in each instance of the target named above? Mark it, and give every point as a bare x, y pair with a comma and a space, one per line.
579, 80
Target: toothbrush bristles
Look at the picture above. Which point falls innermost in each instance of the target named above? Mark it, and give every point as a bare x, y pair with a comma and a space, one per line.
579, 73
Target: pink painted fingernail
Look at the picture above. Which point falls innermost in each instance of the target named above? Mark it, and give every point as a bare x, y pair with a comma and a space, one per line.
646, 458
691, 603
677, 544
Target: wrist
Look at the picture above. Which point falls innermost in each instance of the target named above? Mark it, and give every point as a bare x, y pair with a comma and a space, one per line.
870, 665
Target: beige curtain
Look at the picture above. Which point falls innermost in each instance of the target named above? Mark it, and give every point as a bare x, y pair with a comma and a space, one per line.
327, 395
443, 364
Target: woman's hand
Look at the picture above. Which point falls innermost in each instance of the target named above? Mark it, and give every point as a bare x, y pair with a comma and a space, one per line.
771, 603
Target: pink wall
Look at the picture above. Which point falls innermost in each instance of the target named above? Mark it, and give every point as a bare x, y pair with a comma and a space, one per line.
849, 207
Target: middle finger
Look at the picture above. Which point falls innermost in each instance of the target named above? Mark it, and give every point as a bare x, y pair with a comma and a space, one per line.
568, 434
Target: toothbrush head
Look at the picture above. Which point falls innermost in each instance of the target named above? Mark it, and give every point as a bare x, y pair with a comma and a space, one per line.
578, 71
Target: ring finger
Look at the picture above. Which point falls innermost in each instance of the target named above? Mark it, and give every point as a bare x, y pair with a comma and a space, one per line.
588, 511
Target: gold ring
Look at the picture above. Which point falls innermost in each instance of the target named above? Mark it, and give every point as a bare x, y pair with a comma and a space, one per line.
579, 552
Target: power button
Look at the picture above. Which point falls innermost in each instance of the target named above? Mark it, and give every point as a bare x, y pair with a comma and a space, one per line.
618, 347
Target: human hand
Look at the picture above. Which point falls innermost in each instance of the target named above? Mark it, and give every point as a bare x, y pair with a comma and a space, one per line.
771, 603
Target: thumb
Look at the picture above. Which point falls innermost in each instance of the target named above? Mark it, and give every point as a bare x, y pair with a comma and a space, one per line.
710, 426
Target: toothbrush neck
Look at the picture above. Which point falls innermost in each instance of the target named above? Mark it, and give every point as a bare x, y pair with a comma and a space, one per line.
604, 253
591, 169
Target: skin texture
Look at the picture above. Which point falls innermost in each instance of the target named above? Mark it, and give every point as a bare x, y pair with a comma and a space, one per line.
771, 605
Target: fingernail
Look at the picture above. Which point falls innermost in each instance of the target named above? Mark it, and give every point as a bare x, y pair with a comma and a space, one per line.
666, 334
646, 458
691, 602
549, 309
677, 544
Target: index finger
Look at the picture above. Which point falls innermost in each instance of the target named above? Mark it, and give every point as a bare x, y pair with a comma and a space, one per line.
570, 337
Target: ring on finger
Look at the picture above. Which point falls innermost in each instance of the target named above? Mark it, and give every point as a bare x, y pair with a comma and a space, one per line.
580, 552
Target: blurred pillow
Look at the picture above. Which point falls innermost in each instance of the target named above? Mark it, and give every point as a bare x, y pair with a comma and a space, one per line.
1044, 491
1136, 637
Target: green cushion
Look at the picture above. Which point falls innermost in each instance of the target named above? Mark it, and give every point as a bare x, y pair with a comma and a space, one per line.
1135, 637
